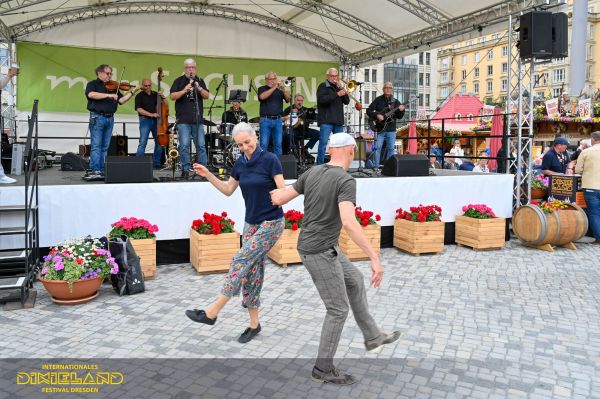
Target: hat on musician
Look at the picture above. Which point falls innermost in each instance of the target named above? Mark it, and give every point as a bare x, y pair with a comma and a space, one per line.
341, 140
561, 140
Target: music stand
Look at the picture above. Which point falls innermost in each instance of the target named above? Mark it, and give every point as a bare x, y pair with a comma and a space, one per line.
237, 95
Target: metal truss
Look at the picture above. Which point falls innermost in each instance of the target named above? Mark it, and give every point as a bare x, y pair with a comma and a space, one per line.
209, 10
425, 11
8, 108
13, 5
447, 29
519, 73
5, 33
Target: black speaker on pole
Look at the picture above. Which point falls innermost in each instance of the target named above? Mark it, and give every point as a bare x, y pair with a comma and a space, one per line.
560, 35
290, 166
73, 162
118, 146
406, 165
128, 169
535, 35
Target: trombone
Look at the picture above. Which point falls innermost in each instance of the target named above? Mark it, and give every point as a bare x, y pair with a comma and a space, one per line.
350, 87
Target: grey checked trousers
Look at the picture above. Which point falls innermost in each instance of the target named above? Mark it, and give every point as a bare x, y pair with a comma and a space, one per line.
339, 284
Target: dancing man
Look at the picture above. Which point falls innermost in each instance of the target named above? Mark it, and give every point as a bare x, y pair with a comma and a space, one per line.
256, 172
329, 201
102, 105
331, 99
188, 91
146, 106
271, 97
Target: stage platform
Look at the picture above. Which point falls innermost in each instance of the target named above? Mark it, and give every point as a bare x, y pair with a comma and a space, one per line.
71, 207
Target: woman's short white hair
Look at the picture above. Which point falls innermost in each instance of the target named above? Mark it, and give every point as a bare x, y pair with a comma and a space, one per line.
242, 127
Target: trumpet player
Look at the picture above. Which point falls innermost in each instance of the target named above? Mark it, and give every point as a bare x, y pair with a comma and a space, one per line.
331, 98
271, 97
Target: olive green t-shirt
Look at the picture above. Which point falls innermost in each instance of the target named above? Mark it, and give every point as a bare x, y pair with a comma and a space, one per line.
324, 187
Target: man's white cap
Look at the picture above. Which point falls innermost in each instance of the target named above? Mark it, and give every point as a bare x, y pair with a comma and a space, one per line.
341, 140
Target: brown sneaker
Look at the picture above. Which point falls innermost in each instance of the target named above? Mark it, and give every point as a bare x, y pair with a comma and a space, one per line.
334, 376
381, 339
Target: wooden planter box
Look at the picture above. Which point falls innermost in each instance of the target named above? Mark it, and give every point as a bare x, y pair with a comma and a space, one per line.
285, 250
419, 238
480, 233
353, 251
146, 250
213, 253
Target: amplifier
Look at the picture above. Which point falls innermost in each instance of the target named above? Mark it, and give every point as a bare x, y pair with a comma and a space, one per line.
128, 169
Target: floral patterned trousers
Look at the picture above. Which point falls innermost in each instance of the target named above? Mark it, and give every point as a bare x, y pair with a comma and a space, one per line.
247, 269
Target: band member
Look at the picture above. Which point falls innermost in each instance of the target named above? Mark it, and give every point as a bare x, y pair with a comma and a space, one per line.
299, 126
271, 97
257, 173
188, 91
3, 82
329, 201
234, 115
146, 107
385, 125
330, 103
102, 105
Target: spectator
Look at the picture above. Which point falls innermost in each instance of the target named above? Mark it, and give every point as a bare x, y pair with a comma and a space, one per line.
588, 166
481, 166
557, 160
449, 162
457, 151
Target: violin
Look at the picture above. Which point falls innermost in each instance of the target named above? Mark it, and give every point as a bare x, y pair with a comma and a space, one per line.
113, 85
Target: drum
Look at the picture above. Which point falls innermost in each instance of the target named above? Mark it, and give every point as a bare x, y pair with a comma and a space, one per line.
232, 153
226, 128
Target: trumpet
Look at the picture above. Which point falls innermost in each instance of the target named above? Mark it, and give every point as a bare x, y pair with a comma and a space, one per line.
350, 87
287, 82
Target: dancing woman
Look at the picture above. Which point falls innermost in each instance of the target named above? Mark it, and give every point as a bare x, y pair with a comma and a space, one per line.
256, 172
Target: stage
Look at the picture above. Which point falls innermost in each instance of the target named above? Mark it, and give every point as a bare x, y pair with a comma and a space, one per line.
70, 207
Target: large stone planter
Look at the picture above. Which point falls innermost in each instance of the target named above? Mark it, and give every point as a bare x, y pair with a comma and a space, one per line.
419, 238
480, 233
81, 291
213, 253
353, 251
285, 250
146, 250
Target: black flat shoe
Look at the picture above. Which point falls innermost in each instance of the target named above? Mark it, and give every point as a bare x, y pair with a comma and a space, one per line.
200, 316
249, 334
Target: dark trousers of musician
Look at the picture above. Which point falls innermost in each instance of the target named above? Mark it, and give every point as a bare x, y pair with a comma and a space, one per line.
101, 127
187, 133
147, 126
271, 126
293, 141
324, 131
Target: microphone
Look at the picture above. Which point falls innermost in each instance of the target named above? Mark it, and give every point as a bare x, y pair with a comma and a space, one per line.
291, 77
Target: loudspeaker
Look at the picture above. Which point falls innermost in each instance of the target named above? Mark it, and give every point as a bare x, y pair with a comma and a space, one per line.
406, 165
128, 169
118, 146
73, 162
535, 35
289, 166
560, 35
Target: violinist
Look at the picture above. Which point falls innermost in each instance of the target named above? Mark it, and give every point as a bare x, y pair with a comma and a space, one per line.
331, 98
188, 91
146, 107
102, 104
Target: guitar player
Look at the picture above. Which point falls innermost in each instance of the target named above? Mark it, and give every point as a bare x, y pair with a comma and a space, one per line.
383, 112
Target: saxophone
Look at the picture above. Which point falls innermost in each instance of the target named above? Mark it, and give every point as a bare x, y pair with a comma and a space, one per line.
173, 152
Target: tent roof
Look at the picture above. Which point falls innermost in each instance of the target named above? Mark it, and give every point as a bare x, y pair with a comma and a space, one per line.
355, 31
463, 104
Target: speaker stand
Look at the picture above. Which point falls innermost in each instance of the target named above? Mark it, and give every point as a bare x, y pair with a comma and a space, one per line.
360, 171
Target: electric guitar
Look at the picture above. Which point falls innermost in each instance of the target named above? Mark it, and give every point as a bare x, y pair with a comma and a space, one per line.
387, 113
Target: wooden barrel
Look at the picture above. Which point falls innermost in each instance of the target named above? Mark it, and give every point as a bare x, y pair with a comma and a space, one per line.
535, 227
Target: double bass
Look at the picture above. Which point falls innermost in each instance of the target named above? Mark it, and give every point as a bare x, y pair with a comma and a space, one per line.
162, 109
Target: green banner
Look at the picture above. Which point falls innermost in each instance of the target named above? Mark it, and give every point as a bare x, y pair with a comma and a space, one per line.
57, 75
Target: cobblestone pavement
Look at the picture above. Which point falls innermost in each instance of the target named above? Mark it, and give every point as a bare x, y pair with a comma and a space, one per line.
511, 323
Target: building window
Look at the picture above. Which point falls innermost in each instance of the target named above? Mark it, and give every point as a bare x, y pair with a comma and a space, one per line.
490, 86
463, 60
373, 75
477, 57
591, 30
367, 75
504, 51
476, 72
464, 74
490, 54
476, 87
590, 72
427, 59
463, 88
457, 116
504, 84
420, 58
421, 79
469, 42
427, 79
470, 117
539, 95
373, 95
420, 100
558, 75
445, 63
560, 60
490, 69
590, 54
427, 100
504, 67
556, 92
444, 92
444, 77
366, 98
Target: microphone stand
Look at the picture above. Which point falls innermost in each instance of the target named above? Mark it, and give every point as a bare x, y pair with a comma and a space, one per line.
361, 170
210, 109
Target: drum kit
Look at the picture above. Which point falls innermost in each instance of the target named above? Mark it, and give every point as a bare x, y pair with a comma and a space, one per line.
222, 150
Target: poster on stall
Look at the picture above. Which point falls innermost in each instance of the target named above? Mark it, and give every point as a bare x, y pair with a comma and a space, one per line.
552, 108
585, 108
421, 115
487, 112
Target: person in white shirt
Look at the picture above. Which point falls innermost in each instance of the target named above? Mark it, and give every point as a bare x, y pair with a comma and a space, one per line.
457, 151
3, 82
481, 166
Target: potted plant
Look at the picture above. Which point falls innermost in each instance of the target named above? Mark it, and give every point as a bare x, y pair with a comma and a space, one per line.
539, 187
213, 243
479, 228
285, 250
419, 230
141, 233
368, 220
73, 271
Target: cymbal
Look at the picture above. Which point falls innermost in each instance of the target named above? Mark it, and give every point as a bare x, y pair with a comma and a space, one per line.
256, 119
209, 123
